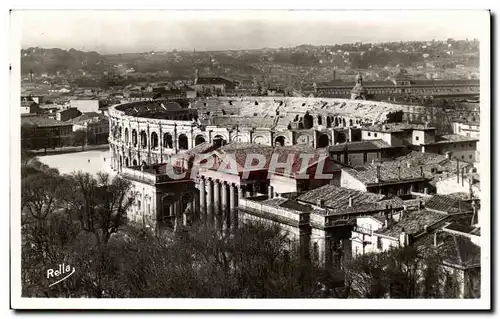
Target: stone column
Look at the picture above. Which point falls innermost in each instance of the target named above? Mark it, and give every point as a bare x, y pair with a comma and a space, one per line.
240, 192
203, 203
217, 197
177, 212
224, 211
210, 200
187, 214
233, 202
234, 212
270, 191
196, 206
217, 206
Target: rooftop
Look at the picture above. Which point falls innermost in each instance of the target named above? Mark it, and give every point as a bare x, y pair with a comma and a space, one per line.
412, 222
452, 138
398, 127
448, 204
391, 171
359, 146
42, 121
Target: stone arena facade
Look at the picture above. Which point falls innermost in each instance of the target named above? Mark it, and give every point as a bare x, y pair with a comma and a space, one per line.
150, 132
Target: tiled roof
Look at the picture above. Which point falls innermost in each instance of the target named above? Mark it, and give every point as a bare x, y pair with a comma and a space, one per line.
412, 222
389, 172
42, 121
397, 127
286, 203
338, 197
452, 138
360, 145
448, 204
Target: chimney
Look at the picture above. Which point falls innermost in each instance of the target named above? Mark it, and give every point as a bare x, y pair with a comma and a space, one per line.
350, 201
403, 238
435, 239
448, 155
377, 180
384, 127
426, 228
321, 203
408, 164
426, 190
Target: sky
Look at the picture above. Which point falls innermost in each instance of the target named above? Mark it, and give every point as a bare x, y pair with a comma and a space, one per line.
127, 31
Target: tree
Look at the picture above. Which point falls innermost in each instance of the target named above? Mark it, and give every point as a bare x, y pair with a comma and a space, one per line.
99, 203
405, 272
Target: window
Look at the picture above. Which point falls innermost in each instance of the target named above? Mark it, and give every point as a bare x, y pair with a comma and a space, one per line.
416, 138
375, 134
379, 243
369, 134
470, 156
462, 157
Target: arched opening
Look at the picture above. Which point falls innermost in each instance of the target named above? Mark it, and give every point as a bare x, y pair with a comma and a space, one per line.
328, 121
183, 142
343, 122
134, 137
219, 141
199, 139
350, 122
144, 139
167, 140
336, 121
154, 140
126, 161
341, 138
144, 164
323, 141
280, 141
308, 121
134, 162
126, 135
120, 132
320, 120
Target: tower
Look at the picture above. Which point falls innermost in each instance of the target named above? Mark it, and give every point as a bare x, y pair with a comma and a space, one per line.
358, 91
196, 76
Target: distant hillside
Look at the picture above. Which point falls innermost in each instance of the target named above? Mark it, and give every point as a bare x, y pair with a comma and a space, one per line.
51, 61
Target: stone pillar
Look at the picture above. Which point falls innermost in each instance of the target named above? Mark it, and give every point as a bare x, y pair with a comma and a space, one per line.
233, 203
232, 197
202, 194
269, 191
240, 192
177, 212
210, 200
225, 207
196, 206
187, 214
217, 206
217, 197
234, 212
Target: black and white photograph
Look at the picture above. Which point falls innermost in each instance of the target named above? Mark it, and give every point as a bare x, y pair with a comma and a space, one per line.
227, 159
